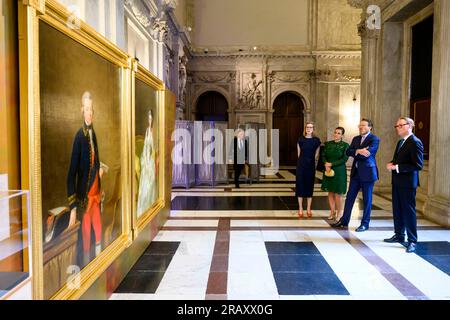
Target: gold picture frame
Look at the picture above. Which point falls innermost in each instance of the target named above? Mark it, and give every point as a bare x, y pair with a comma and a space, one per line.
31, 14
150, 80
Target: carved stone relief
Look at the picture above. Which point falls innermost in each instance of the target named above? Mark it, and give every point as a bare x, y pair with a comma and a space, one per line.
251, 92
277, 76
182, 78
212, 77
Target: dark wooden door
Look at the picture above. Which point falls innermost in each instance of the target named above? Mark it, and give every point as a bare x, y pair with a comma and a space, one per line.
288, 119
420, 113
212, 106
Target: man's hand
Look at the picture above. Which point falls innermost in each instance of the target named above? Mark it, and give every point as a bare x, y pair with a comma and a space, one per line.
390, 166
73, 217
366, 153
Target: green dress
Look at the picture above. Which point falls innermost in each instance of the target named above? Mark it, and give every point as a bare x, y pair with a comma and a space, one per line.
334, 152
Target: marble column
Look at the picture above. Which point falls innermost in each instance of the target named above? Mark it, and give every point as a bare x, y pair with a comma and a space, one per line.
388, 98
369, 45
437, 206
369, 54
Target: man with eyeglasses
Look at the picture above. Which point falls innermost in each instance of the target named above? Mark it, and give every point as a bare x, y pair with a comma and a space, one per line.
363, 175
405, 167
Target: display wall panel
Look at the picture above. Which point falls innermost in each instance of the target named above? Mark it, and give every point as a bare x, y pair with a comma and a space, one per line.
183, 174
210, 142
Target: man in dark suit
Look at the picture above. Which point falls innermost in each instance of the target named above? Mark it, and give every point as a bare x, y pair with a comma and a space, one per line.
363, 174
405, 167
240, 155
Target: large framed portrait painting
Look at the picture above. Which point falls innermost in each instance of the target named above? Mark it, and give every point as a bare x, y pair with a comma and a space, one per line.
81, 147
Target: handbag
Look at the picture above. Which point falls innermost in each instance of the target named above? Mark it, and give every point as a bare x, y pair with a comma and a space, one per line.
329, 173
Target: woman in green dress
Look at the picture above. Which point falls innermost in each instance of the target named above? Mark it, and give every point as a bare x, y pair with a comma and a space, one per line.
334, 158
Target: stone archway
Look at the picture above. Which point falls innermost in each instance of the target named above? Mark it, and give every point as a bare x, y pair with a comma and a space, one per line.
288, 118
211, 106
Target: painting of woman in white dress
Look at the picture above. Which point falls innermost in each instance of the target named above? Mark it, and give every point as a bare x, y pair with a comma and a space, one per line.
147, 164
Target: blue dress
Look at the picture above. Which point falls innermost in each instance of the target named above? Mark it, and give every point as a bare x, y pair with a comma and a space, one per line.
306, 166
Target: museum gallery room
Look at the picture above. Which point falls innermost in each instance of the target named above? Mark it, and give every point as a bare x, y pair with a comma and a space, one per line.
258, 150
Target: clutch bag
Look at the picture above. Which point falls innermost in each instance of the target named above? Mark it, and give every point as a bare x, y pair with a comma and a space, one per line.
329, 173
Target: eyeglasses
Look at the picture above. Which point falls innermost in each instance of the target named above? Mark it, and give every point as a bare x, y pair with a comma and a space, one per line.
401, 125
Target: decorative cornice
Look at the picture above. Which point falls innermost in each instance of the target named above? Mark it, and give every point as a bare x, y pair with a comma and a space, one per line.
300, 55
337, 54
140, 12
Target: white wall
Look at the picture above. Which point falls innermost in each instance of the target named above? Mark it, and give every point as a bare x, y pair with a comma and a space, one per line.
106, 16
138, 44
250, 22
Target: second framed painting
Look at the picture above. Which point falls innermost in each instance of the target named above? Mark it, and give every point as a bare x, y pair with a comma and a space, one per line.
147, 132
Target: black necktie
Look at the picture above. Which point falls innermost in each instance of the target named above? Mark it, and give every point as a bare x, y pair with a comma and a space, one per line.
401, 142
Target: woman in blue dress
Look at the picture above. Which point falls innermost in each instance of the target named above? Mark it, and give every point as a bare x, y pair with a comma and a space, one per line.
308, 147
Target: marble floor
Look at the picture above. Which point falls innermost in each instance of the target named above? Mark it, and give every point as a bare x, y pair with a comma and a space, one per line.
248, 243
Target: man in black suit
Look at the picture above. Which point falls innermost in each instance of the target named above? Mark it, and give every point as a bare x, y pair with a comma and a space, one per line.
405, 167
240, 154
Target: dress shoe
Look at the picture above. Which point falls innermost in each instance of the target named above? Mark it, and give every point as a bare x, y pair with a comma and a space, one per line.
411, 247
395, 238
361, 229
338, 224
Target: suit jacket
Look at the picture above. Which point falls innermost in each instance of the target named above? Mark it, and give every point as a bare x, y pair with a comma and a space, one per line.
409, 159
367, 166
240, 156
81, 175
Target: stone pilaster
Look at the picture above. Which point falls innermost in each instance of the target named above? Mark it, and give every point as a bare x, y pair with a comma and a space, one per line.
369, 47
437, 206
388, 97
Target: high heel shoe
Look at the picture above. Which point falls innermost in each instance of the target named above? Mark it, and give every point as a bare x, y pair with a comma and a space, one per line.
332, 215
309, 213
300, 213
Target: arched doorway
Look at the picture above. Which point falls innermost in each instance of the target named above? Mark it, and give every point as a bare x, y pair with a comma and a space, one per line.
288, 119
212, 106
